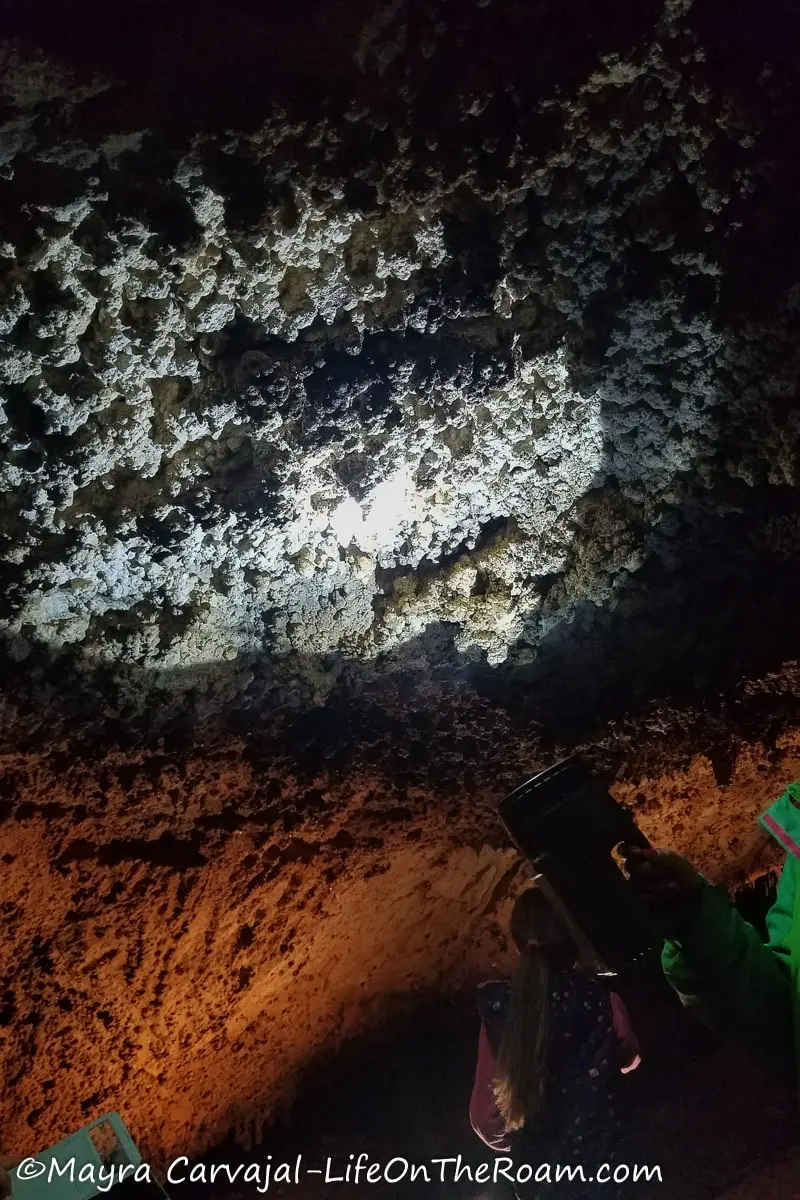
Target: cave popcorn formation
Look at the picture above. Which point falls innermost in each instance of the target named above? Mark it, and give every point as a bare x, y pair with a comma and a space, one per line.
378, 425
513, 465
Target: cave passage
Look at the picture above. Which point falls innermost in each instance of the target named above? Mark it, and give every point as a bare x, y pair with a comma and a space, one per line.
395, 398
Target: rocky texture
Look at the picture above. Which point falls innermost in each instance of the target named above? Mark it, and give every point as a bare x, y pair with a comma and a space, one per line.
196, 930
501, 359
367, 444
188, 970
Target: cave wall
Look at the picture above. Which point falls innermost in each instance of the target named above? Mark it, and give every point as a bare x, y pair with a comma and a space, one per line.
474, 354
187, 942
394, 397
191, 977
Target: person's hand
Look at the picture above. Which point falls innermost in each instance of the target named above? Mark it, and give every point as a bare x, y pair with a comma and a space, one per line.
669, 886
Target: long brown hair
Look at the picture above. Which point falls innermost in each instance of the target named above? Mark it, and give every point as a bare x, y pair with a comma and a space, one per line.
544, 945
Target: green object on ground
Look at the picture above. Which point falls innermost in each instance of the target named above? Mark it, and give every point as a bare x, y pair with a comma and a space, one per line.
60, 1165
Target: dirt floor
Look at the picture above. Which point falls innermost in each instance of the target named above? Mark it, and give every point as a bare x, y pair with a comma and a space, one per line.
780, 1180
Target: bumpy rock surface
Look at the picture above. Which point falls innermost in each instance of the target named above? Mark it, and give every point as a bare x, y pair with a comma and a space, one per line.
391, 397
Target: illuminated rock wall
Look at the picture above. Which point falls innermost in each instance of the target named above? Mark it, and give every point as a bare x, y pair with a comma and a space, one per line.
393, 399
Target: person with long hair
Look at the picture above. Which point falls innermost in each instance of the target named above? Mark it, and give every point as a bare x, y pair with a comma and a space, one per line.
553, 1044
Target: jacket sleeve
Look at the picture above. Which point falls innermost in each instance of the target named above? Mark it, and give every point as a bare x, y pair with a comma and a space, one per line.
738, 985
484, 1115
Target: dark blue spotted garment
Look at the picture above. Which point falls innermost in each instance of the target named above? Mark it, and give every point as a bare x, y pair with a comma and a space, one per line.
582, 1123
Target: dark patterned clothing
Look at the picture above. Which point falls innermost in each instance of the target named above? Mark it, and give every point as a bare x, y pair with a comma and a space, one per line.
582, 1122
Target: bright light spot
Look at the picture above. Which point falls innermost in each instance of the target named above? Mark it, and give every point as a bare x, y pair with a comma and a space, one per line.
390, 505
347, 521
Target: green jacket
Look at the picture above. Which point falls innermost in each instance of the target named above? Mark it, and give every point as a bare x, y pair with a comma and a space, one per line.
738, 985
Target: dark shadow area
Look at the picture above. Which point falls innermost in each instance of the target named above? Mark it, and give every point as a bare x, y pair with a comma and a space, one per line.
188, 68
425, 715
403, 1093
755, 900
428, 715
686, 628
